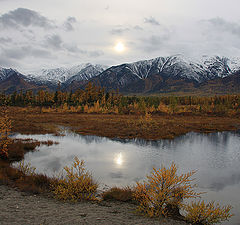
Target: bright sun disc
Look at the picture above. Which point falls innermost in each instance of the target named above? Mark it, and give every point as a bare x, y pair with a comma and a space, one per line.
119, 47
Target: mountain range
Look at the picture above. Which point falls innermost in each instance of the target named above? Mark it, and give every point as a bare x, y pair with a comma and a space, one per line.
173, 74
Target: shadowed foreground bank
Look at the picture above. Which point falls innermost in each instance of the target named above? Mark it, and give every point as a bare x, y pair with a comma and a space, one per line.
21, 208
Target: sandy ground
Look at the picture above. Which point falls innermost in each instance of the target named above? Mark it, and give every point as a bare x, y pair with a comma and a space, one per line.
24, 209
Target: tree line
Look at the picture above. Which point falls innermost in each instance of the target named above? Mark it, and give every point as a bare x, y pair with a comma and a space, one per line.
97, 100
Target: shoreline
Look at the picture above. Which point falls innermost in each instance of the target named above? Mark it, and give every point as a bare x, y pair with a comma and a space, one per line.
20, 208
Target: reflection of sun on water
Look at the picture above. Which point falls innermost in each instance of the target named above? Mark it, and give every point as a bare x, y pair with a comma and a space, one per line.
119, 159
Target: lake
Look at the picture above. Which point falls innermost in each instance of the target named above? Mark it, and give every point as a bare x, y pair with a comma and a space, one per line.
113, 162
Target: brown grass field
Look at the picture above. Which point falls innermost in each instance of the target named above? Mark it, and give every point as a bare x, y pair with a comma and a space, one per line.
31, 121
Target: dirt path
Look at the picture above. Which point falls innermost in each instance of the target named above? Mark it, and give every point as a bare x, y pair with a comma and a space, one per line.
24, 209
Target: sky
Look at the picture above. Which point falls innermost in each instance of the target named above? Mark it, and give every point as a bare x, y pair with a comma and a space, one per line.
58, 33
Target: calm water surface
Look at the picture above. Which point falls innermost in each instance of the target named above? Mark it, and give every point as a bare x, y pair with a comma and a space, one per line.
216, 157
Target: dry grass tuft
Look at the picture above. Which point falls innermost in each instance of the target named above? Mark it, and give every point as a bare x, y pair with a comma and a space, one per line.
119, 194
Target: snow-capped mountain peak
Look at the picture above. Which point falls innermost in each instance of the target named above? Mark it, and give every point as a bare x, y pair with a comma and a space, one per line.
63, 74
205, 68
5, 73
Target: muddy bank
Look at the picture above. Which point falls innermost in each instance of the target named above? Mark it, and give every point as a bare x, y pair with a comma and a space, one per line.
21, 208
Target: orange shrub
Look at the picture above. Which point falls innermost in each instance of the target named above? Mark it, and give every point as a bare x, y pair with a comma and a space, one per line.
77, 184
206, 213
164, 191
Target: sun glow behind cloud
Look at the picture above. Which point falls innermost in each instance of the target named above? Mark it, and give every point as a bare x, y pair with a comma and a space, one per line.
119, 47
38, 35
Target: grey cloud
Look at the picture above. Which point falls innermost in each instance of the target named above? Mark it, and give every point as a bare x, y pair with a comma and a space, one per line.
154, 42
23, 52
95, 54
40, 53
137, 27
71, 19
224, 25
151, 20
4, 40
5, 62
74, 48
117, 31
16, 53
54, 41
68, 25
24, 17
121, 30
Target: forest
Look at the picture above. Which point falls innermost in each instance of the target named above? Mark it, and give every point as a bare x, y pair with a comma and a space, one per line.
97, 100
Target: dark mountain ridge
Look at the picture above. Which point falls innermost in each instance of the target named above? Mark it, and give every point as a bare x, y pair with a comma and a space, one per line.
173, 74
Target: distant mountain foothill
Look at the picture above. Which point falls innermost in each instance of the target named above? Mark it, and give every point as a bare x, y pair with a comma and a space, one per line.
173, 74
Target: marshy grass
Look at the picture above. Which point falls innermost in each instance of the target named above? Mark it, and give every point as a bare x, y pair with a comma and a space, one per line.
23, 175
159, 126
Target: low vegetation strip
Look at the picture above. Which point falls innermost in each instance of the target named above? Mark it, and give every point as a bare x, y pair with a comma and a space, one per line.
150, 127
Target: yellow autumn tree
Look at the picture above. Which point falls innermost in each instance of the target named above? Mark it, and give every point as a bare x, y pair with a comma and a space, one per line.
5, 128
163, 192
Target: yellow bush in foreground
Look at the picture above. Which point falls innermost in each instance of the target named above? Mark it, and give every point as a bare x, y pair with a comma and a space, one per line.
163, 192
77, 184
206, 213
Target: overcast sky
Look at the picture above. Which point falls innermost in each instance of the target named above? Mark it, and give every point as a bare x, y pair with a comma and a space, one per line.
53, 33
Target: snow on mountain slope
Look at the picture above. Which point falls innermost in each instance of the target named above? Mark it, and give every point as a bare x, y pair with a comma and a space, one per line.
62, 74
5, 73
234, 64
171, 67
87, 72
206, 68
